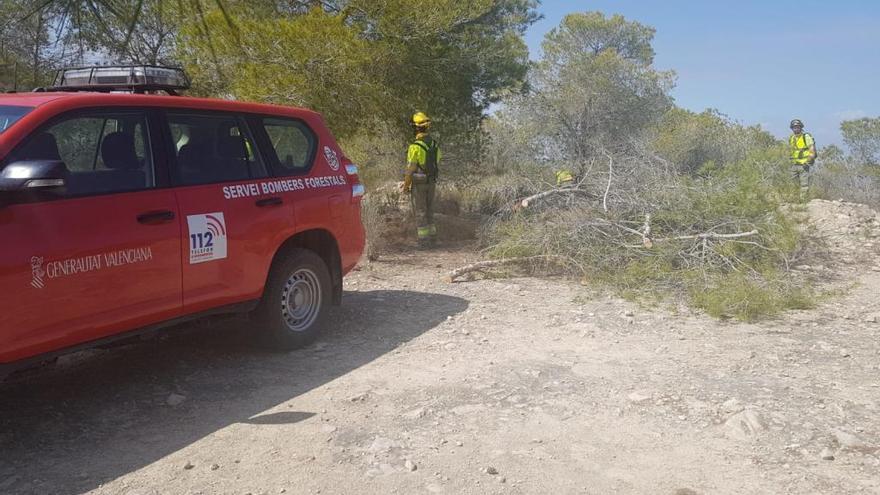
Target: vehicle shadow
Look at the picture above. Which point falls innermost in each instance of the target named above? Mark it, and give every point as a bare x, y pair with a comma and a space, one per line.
97, 415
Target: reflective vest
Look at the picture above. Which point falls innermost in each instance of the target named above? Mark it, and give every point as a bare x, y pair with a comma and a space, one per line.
801, 146
424, 152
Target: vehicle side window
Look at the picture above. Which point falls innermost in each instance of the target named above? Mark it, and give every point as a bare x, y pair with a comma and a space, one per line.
213, 148
103, 152
293, 145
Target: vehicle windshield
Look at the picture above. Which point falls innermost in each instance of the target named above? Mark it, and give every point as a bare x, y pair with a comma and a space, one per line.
10, 115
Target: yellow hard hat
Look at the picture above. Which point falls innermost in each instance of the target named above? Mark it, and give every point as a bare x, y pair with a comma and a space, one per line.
420, 119
564, 176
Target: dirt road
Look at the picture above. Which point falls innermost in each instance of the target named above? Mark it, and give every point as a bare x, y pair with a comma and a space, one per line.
491, 386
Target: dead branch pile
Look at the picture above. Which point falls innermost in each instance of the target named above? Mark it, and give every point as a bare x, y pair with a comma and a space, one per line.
635, 208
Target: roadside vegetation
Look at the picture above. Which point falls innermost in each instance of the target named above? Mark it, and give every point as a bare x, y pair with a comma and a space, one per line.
853, 176
667, 204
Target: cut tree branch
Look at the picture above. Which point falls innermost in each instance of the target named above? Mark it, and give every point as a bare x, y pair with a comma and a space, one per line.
485, 265
705, 237
526, 202
610, 175
710, 236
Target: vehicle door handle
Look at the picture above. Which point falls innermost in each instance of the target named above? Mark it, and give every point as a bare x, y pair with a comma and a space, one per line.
263, 203
155, 217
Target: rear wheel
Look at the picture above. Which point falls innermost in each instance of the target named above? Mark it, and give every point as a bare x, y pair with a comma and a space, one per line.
295, 304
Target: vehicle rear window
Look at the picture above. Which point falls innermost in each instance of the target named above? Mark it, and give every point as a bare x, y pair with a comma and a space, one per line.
293, 144
212, 149
11, 114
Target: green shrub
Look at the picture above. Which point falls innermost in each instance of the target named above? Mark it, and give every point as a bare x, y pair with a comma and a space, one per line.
748, 298
849, 181
741, 277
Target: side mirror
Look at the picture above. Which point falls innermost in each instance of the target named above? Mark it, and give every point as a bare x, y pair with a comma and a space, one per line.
34, 176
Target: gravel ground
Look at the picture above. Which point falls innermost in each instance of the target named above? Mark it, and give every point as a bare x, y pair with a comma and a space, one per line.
490, 386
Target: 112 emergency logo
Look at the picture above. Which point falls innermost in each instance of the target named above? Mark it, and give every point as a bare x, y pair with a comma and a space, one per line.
207, 237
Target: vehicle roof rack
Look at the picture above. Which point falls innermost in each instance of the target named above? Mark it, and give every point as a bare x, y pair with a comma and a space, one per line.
139, 79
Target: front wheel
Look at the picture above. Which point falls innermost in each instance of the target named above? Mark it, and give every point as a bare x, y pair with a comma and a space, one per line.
294, 307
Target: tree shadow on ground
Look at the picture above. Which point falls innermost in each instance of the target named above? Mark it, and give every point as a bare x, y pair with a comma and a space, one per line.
98, 415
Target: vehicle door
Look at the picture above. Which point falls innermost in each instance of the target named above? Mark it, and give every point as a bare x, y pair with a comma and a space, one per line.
99, 257
232, 220
290, 147
324, 186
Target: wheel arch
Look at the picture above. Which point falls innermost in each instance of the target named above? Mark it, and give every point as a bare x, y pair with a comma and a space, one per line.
322, 243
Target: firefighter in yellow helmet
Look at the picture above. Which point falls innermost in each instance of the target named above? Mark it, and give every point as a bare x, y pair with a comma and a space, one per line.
803, 155
420, 178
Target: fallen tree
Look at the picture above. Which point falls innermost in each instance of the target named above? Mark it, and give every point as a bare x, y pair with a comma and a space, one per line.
721, 240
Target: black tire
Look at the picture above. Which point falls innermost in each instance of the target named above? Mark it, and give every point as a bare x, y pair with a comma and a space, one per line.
296, 301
